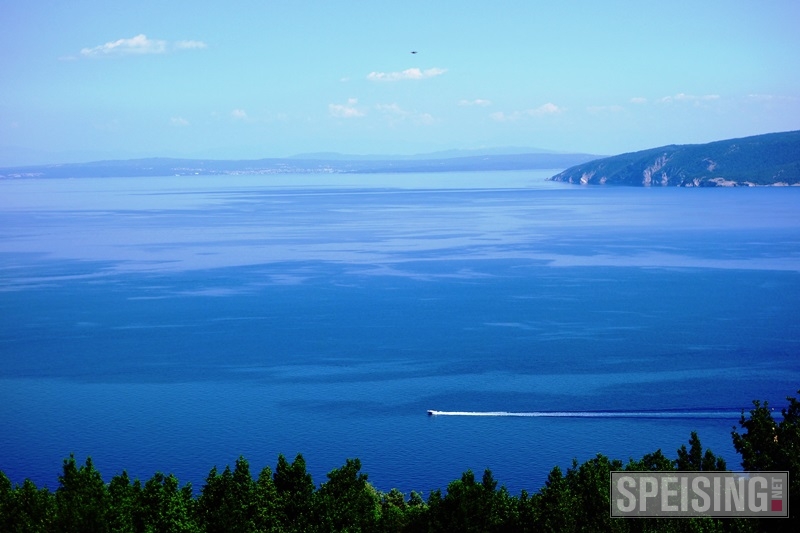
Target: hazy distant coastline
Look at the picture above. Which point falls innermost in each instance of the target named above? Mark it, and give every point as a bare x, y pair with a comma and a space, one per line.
772, 160
304, 164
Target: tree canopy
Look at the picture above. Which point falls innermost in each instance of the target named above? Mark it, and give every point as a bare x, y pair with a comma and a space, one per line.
287, 499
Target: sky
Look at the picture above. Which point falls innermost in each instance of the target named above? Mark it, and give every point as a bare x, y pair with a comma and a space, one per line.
86, 79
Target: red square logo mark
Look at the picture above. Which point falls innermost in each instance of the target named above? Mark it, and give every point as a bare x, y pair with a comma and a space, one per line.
777, 505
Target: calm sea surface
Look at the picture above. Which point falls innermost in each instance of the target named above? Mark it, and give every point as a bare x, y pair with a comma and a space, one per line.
173, 324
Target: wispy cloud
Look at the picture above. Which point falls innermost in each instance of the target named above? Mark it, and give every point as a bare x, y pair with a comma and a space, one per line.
425, 119
178, 121
239, 114
139, 45
682, 97
348, 110
408, 74
391, 109
638, 100
594, 109
397, 115
770, 98
476, 102
135, 45
545, 109
190, 45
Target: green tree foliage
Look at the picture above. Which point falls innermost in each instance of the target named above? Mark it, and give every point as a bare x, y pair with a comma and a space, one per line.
694, 459
288, 501
266, 502
553, 505
590, 483
6, 493
295, 494
470, 505
393, 511
123, 498
346, 502
766, 445
228, 502
25, 508
166, 507
578, 501
81, 498
651, 462
398, 514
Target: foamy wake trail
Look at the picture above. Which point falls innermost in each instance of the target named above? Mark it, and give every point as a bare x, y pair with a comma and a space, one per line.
699, 413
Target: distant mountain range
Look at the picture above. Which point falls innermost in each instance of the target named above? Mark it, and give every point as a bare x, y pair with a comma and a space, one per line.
771, 159
457, 160
442, 154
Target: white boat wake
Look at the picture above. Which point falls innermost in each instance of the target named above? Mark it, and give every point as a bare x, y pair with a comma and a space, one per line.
678, 414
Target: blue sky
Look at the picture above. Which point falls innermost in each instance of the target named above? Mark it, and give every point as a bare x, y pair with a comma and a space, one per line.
91, 79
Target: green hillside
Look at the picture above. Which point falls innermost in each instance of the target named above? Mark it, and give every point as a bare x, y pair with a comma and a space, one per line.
772, 159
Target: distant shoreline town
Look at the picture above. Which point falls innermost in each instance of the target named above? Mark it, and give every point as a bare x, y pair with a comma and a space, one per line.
312, 164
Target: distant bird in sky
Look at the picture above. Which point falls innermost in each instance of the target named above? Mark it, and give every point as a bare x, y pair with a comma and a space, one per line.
413, 51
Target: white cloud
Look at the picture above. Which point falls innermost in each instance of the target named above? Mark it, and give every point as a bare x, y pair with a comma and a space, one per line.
545, 109
239, 114
692, 98
424, 119
397, 115
777, 98
761, 97
408, 74
190, 45
178, 121
135, 45
138, 45
391, 109
476, 102
348, 110
682, 97
605, 109
773, 101
638, 100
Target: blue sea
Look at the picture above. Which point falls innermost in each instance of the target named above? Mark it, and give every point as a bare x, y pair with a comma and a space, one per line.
175, 323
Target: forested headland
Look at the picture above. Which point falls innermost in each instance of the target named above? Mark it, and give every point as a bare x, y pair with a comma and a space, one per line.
288, 500
771, 159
